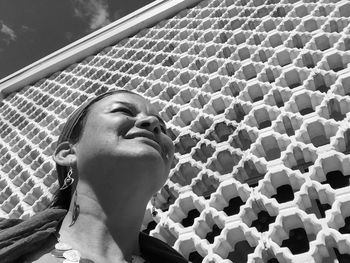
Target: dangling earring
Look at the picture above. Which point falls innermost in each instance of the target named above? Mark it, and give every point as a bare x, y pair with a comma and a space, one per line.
76, 210
68, 181
153, 201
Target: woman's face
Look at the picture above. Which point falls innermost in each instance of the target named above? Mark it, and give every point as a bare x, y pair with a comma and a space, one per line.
124, 134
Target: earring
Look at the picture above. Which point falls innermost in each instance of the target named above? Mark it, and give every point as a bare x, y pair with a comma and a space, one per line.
68, 181
153, 201
76, 210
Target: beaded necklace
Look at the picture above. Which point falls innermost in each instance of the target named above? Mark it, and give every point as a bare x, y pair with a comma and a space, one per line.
70, 255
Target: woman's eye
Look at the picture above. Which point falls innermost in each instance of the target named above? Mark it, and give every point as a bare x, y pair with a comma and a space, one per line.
124, 110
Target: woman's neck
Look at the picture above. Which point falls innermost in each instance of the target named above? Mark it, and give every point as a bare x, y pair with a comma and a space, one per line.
104, 233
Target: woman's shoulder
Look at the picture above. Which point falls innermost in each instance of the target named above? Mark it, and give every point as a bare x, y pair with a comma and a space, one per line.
19, 238
41, 254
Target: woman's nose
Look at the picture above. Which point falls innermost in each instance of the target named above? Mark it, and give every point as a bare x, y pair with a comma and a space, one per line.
150, 123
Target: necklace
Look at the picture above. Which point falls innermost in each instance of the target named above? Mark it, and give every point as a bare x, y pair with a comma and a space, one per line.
70, 255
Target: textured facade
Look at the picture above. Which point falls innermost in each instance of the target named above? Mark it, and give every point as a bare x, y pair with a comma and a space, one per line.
256, 95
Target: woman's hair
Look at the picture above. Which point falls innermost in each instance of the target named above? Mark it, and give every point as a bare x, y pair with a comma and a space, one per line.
72, 132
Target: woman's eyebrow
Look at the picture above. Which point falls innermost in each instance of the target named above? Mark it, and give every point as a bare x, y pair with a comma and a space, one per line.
133, 108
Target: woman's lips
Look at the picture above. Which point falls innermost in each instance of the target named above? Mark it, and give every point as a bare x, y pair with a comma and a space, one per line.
148, 138
151, 143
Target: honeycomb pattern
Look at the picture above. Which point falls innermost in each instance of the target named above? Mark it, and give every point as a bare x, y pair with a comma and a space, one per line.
255, 94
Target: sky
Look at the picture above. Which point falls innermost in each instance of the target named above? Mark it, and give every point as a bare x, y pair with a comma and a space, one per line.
32, 29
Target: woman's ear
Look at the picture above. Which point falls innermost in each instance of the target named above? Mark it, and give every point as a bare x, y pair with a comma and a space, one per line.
64, 154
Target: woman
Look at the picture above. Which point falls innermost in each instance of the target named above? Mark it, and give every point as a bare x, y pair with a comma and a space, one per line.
112, 156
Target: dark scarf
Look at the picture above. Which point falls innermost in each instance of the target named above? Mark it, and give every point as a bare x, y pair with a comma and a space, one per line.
19, 238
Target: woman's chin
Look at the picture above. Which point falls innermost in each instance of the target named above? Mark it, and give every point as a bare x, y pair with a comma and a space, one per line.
150, 159
144, 152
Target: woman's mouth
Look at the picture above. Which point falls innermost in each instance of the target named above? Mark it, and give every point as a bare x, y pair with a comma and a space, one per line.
148, 138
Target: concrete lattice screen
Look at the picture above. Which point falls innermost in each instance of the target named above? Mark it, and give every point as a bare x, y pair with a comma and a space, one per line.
256, 97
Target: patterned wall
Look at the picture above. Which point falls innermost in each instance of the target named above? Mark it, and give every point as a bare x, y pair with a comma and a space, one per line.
256, 97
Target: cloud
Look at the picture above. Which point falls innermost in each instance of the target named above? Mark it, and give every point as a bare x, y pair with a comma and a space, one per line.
25, 28
95, 12
7, 35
